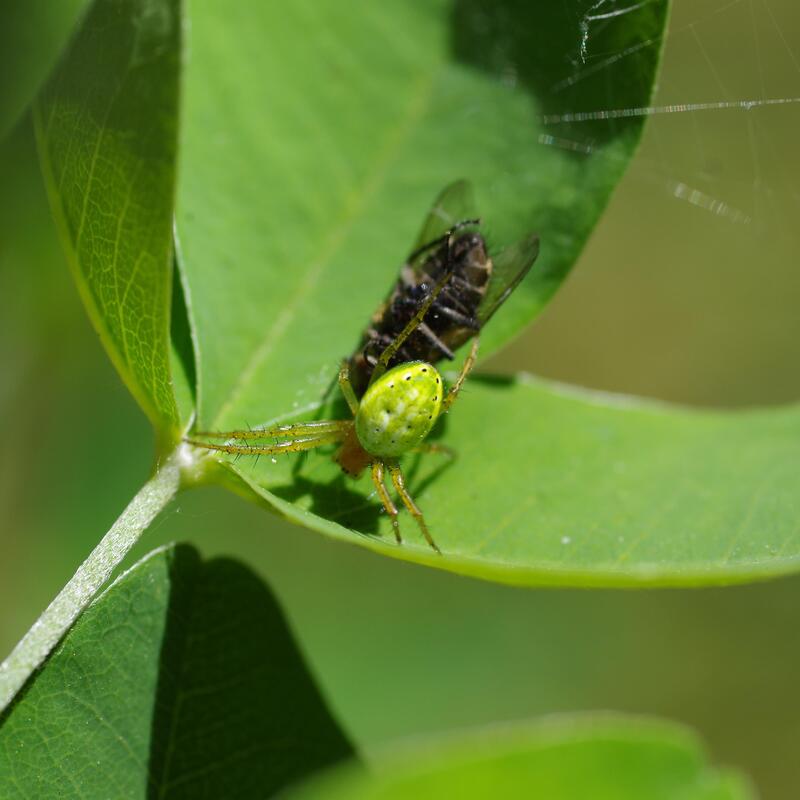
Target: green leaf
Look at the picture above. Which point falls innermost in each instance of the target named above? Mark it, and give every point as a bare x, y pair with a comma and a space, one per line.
556, 486
316, 139
182, 679
32, 35
603, 758
107, 129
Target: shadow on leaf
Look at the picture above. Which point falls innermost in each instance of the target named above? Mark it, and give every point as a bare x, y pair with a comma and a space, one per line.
234, 694
354, 508
181, 680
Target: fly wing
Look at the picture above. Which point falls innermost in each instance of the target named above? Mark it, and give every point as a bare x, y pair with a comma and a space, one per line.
455, 203
509, 267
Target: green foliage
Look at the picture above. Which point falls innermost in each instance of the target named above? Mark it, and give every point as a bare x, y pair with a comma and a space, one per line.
301, 193
308, 161
107, 129
603, 758
32, 35
300, 185
555, 486
182, 679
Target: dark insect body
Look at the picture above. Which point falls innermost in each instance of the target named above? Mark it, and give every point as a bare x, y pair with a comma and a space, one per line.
452, 319
449, 245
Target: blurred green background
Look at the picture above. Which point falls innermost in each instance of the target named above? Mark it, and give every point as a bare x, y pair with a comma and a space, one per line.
688, 291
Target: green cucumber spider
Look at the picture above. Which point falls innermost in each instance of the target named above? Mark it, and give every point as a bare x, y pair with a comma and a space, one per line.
395, 415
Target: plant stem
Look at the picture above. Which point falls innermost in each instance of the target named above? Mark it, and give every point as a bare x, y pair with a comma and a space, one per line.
58, 617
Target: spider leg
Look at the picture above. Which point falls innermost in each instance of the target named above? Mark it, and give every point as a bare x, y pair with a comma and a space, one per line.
300, 462
289, 446
391, 509
400, 485
347, 387
415, 321
313, 428
469, 363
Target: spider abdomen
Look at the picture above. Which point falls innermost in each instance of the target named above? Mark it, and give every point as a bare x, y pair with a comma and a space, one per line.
399, 409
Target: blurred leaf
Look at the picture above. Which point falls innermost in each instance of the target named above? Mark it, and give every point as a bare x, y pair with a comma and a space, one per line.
602, 758
315, 140
574, 488
181, 679
32, 36
107, 130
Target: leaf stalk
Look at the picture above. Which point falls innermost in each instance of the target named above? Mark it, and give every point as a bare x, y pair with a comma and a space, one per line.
37, 644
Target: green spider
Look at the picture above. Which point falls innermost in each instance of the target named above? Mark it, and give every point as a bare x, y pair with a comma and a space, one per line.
401, 402
393, 418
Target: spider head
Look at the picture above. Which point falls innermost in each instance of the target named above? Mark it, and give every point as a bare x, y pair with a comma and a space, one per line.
351, 456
